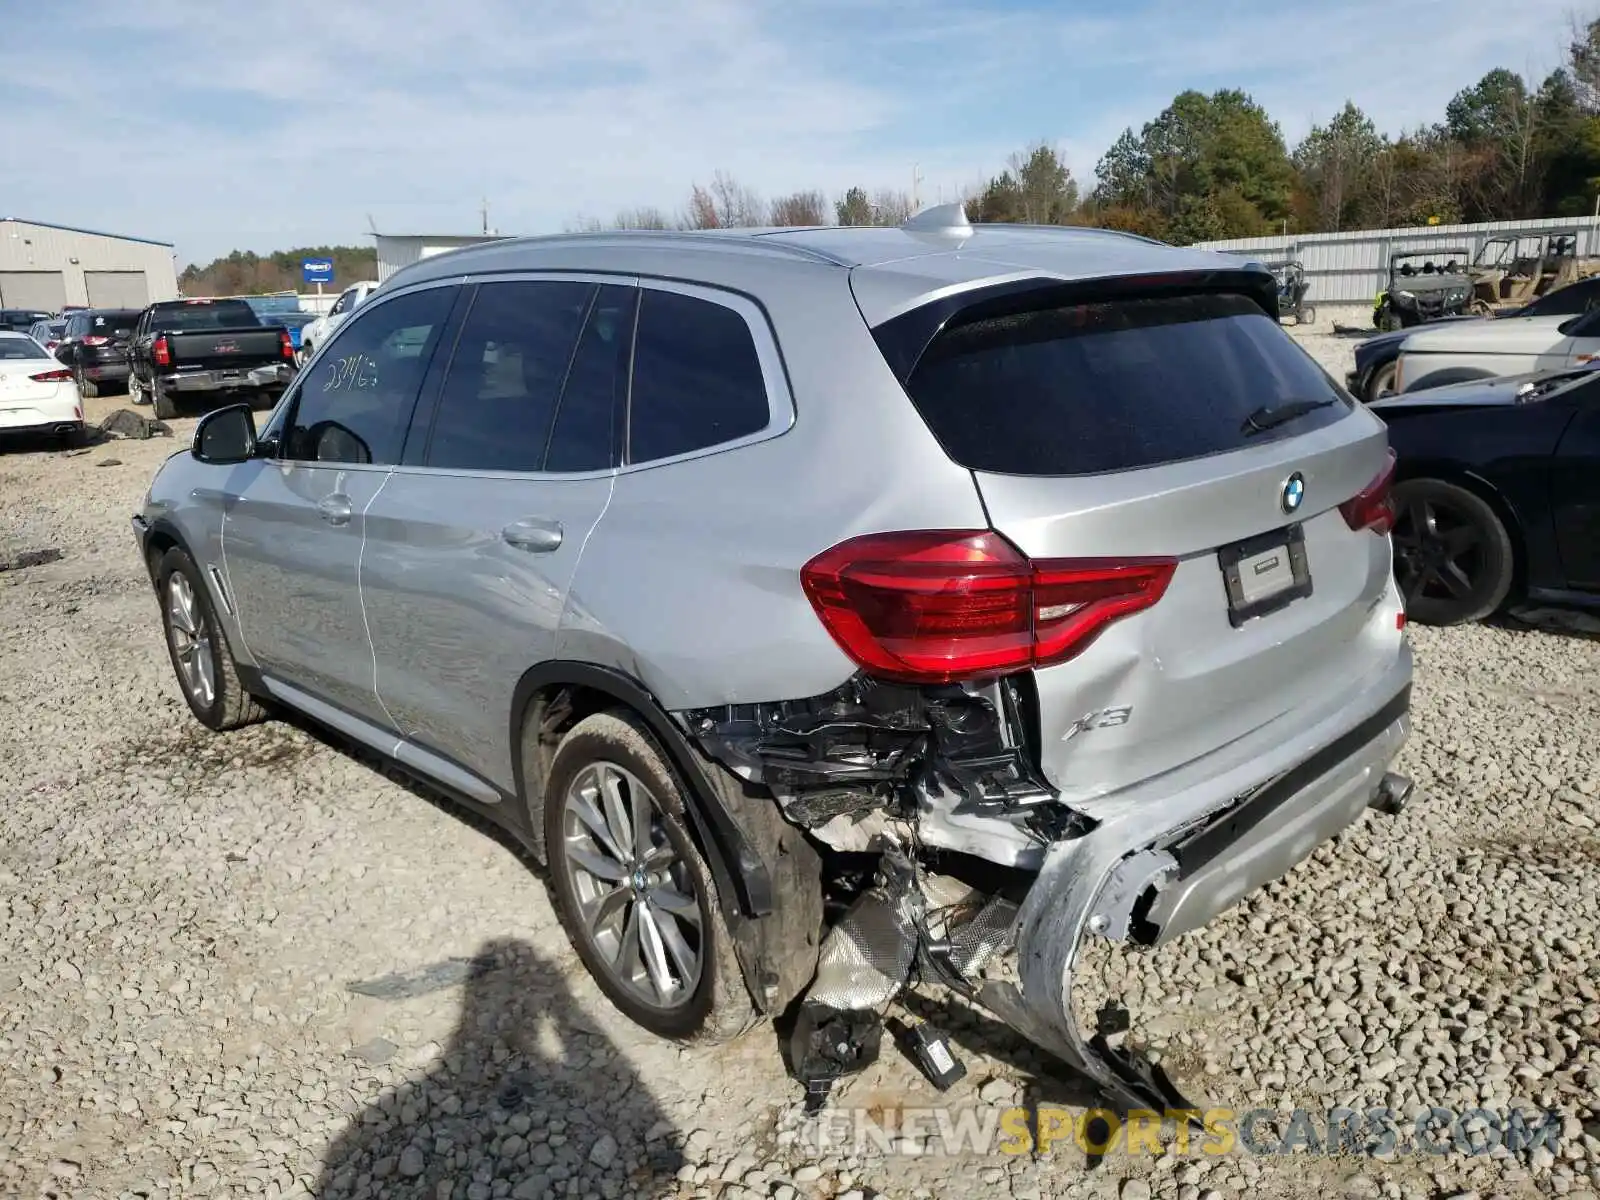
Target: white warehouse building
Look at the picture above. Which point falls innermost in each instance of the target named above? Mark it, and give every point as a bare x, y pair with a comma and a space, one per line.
396, 250
48, 267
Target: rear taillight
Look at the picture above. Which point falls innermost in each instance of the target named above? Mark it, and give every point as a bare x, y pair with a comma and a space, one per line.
95, 340
285, 345
934, 606
1373, 506
161, 352
60, 376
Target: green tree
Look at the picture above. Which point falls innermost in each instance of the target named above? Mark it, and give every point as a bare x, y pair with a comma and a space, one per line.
1208, 166
1335, 162
853, 208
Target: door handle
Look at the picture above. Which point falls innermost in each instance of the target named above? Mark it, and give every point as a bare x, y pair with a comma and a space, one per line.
335, 509
533, 534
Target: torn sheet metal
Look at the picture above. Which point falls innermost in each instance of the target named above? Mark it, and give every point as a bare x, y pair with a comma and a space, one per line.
955, 760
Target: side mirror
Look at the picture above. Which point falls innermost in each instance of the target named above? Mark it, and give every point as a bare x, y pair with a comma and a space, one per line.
227, 435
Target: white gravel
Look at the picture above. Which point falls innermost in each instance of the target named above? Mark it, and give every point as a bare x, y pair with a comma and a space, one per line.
182, 916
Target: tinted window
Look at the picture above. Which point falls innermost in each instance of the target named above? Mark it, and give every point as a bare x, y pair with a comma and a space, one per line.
1115, 386
117, 323
190, 315
585, 434
355, 402
1563, 302
500, 393
77, 326
696, 378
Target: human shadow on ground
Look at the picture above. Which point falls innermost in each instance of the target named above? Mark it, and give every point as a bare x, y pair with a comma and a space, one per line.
529, 1094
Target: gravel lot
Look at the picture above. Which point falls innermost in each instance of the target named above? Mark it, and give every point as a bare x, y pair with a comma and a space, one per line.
255, 965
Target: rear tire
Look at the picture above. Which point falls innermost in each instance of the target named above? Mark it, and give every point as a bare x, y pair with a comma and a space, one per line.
1308, 315
198, 648
1454, 560
639, 906
166, 407
135, 392
87, 388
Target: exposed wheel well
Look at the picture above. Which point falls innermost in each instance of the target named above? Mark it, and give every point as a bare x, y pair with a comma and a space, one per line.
1447, 472
554, 696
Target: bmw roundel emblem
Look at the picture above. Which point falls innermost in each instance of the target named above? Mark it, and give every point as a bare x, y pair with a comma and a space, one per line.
1294, 491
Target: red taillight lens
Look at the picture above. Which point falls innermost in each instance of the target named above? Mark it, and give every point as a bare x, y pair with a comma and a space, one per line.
51, 376
95, 340
1373, 506
935, 606
285, 345
161, 352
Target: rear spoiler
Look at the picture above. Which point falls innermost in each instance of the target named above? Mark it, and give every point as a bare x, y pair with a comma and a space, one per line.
905, 338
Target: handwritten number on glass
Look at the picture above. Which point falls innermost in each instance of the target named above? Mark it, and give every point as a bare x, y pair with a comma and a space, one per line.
353, 372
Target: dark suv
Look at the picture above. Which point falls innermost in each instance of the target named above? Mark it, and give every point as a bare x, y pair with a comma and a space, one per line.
95, 345
20, 320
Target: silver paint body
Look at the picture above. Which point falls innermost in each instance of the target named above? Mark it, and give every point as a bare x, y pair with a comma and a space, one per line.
412, 617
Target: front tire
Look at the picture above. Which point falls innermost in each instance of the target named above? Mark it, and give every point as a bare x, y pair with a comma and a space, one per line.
1382, 382
135, 392
198, 648
1307, 316
1454, 561
633, 891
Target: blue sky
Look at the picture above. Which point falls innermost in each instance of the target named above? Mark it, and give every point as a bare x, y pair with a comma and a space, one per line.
219, 125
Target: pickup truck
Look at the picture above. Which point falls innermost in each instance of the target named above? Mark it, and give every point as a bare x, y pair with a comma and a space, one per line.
207, 349
1468, 350
314, 334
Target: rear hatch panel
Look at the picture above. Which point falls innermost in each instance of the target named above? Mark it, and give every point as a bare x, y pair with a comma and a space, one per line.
1151, 423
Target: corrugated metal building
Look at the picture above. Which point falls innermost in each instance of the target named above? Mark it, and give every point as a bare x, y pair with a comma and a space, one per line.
396, 250
47, 267
1352, 267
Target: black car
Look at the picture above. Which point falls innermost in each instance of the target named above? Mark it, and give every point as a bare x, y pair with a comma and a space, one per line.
95, 345
1376, 356
20, 320
1497, 494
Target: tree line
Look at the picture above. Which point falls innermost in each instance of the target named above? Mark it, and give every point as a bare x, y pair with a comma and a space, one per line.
245, 273
1217, 166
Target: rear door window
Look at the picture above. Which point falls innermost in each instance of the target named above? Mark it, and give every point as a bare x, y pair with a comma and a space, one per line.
697, 378
499, 397
1117, 385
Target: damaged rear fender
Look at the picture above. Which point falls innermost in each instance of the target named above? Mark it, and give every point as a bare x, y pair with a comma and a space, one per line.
768, 876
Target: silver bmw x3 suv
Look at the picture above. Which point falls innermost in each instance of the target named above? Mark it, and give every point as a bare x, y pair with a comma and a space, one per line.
827, 608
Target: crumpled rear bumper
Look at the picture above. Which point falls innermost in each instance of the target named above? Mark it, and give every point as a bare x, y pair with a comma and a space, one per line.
1155, 872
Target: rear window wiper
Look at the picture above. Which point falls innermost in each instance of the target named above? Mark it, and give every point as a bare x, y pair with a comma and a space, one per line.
1265, 418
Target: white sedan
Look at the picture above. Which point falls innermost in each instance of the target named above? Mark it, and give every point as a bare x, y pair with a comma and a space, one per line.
37, 394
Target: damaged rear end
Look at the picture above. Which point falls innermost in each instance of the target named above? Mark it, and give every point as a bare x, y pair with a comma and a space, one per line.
1170, 667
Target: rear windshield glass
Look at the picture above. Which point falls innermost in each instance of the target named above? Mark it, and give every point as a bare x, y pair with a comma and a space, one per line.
1118, 385
16, 348
113, 324
182, 318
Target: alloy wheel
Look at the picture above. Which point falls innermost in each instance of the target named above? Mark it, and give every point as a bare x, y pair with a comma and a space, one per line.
1438, 552
190, 634
637, 899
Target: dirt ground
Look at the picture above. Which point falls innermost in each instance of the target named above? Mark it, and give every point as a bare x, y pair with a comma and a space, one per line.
258, 964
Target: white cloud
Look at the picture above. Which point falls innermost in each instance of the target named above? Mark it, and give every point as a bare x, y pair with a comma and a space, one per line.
268, 126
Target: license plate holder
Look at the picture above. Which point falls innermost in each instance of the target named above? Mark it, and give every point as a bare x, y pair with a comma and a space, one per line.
1265, 573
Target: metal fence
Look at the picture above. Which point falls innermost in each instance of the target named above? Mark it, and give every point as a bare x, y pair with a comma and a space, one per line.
1352, 267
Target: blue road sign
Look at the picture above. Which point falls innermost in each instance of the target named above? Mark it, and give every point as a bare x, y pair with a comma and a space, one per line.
316, 270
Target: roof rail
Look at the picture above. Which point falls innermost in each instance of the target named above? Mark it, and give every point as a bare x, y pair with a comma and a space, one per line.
747, 238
